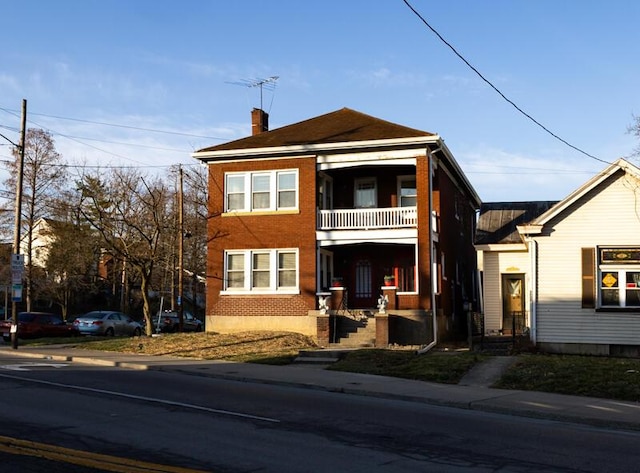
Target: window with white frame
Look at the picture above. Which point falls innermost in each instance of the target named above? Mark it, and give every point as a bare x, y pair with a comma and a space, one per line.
261, 191
268, 270
619, 277
407, 191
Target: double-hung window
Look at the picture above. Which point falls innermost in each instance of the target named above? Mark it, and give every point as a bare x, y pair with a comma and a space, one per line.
261, 191
619, 277
407, 191
261, 271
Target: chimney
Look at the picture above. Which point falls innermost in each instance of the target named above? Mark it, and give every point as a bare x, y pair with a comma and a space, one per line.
259, 121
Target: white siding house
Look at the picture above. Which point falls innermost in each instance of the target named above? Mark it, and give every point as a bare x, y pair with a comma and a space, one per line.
584, 268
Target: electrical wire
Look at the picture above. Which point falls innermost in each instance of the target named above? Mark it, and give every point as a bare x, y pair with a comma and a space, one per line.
130, 127
497, 90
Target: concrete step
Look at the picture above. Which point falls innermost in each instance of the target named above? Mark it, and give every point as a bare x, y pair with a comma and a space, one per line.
322, 357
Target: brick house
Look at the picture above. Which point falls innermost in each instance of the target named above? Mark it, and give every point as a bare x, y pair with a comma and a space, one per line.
307, 220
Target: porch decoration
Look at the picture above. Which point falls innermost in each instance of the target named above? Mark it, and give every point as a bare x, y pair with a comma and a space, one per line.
337, 282
383, 302
323, 304
389, 280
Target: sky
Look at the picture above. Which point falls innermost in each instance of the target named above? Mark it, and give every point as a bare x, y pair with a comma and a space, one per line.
146, 83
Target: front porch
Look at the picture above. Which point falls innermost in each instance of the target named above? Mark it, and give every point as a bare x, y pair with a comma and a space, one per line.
340, 326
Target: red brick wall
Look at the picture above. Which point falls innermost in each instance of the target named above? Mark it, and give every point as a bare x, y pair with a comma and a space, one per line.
424, 228
275, 230
456, 242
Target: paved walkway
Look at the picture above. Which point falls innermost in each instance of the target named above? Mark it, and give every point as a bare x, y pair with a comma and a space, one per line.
471, 393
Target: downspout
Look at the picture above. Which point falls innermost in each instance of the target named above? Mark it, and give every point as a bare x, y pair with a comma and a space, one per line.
434, 267
533, 250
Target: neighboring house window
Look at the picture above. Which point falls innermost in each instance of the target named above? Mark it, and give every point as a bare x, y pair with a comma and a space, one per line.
261, 270
619, 277
261, 191
408, 194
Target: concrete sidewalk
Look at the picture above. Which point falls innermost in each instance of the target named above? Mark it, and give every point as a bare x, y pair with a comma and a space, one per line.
470, 394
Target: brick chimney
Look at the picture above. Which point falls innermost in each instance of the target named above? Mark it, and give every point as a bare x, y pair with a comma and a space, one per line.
259, 121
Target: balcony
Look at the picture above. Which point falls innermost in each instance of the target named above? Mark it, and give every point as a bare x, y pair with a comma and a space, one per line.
367, 219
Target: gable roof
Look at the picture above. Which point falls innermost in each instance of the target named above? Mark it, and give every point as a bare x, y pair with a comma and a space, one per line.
620, 165
344, 125
497, 221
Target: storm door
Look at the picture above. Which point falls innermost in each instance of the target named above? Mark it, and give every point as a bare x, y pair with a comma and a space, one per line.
513, 304
363, 296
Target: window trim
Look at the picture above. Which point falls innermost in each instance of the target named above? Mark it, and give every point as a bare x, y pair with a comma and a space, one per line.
274, 272
248, 192
621, 267
401, 180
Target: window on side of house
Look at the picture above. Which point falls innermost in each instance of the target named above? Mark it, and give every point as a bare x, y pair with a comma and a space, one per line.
619, 277
261, 191
261, 271
235, 192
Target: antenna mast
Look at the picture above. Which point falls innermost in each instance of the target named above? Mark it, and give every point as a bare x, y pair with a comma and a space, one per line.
269, 83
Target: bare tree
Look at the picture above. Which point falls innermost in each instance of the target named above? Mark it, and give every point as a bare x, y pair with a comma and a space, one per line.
634, 129
195, 224
130, 212
43, 177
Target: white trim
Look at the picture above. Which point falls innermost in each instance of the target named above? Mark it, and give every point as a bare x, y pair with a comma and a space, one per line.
249, 191
619, 165
248, 272
314, 148
502, 247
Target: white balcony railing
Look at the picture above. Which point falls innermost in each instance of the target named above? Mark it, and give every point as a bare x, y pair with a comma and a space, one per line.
365, 219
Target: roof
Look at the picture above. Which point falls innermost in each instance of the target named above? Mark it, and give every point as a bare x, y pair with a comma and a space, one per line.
344, 125
498, 220
619, 166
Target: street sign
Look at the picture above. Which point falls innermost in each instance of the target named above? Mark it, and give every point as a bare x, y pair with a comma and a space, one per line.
17, 262
16, 293
17, 268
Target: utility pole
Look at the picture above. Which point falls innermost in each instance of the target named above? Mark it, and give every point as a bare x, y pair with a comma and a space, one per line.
180, 251
18, 223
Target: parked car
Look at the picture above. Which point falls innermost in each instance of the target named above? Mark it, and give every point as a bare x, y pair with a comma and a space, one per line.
169, 321
109, 323
38, 325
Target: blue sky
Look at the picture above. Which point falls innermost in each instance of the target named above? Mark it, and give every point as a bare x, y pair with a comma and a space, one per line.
161, 65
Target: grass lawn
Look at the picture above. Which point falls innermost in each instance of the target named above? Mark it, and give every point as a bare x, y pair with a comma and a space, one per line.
604, 377
437, 367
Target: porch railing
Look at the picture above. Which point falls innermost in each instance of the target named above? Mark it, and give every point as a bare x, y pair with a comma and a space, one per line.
364, 219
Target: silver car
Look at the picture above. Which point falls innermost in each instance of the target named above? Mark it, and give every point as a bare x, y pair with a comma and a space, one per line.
108, 323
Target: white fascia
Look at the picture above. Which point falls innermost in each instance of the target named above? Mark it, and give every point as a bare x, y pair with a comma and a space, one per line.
313, 149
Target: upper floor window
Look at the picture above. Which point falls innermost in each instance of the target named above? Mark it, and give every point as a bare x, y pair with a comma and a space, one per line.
407, 191
366, 194
261, 191
619, 277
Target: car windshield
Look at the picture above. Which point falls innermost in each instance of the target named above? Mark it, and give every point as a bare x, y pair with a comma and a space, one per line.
26, 317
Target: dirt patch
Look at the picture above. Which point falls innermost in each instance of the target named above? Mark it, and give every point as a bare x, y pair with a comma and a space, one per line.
210, 346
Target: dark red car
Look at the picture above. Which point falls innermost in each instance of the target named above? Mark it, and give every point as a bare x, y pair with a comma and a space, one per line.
38, 325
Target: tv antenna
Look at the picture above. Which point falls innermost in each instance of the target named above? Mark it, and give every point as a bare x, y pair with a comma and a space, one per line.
269, 83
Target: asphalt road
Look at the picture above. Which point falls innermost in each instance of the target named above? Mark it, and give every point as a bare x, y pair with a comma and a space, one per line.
166, 420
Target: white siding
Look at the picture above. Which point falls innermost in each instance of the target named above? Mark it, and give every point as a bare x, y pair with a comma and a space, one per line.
609, 215
497, 263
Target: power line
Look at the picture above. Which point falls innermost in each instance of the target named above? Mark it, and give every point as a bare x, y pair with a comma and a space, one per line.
115, 125
497, 90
